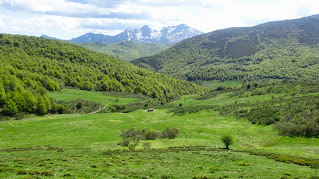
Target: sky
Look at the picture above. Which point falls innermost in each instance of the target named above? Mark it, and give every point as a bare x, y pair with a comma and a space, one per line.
67, 19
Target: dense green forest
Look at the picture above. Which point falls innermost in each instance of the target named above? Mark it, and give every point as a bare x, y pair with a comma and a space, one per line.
275, 50
126, 50
30, 66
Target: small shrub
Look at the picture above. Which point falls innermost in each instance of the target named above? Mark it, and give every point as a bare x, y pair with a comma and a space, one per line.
136, 139
19, 115
170, 133
147, 145
150, 135
125, 142
131, 146
79, 105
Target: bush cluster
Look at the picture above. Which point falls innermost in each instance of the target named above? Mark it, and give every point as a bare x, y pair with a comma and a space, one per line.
133, 135
74, 106
295, 113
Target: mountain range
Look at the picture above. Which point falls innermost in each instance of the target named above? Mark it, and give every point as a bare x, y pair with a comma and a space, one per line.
275, 50
167, 35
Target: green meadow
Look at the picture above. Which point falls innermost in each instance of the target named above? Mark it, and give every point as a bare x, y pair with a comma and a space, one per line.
99, 97
86, 145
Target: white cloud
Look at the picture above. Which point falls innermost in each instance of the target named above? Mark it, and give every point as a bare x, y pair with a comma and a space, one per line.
70, 18
2, 23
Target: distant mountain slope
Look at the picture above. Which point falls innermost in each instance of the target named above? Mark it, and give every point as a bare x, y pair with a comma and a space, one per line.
126, 50
282, 49
48, 37
168, 35
29, 66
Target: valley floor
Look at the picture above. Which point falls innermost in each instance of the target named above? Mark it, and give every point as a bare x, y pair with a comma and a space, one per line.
86, 146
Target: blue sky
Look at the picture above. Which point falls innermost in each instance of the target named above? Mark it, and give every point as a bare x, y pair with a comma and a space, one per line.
66, 19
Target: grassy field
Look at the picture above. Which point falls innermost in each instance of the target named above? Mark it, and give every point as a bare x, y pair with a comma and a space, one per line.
86, 146
155, 163
99, 97
224, 99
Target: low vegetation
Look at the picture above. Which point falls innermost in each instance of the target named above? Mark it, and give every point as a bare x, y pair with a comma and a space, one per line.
292, 108
135, 135
175, 162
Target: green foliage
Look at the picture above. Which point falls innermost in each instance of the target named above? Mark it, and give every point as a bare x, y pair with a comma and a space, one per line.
147, 145
227, 140
292, 114
135, 135
170, 133
29, 66
77, 106
126, 50
263, 115
10, 107
132, 146
275, 50
42, 107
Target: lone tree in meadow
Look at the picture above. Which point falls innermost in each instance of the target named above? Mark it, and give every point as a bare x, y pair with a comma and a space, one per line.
227, 140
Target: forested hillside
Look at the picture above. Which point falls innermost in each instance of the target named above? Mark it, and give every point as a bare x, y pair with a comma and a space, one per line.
126, 50
29, 66
275, 50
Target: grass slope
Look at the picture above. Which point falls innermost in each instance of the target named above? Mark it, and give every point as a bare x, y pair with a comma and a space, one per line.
99, 97
126, 50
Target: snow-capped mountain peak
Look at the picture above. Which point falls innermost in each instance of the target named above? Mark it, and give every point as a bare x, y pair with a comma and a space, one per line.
167, 35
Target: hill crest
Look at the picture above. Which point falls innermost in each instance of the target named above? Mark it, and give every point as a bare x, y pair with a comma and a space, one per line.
277, 50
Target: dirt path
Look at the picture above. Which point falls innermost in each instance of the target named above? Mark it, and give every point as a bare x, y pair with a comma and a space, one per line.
98, 110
